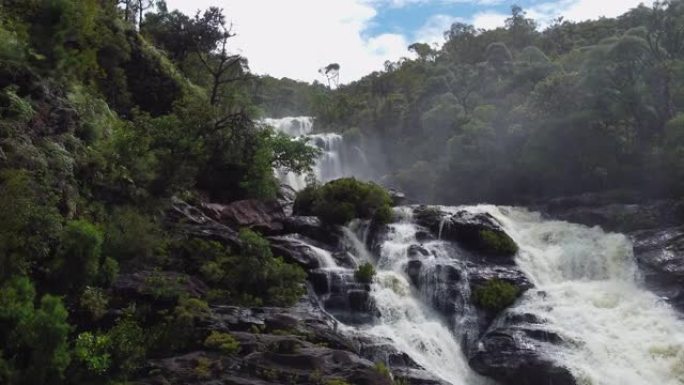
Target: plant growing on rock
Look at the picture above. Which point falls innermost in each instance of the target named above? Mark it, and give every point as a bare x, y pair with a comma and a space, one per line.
498, 243
223, 342
365, 273
339, 201
496, 295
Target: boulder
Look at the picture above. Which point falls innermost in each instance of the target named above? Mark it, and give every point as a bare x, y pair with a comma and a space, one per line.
190, 220
479, 232
295, 249
265, 217
660, 254
311, 227
516, 352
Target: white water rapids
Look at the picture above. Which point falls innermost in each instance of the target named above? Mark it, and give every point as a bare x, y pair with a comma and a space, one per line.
621, 333
586, 289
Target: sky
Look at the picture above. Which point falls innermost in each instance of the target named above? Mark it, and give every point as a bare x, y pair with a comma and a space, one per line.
295, 38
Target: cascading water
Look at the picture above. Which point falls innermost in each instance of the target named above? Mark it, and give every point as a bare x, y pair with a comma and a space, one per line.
411, 325
618, 333
586, 290
330, 165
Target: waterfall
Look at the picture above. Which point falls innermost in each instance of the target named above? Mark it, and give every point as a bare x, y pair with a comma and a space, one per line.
405, 319
619, 333
333, 163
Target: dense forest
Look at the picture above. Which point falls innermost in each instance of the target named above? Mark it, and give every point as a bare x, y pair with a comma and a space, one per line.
113, 110
105, 115
519, 113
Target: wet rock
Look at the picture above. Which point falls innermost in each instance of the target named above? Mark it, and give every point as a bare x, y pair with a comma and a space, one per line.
294, 249
517, 350
311, 227
660, 254
398, 197
509, 356
265, 217
615, 211
479, 232
417, 252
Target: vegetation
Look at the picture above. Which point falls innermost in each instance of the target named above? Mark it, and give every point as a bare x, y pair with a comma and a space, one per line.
498, 242
365, 273
106, 112
223, 342
495, 295
339, 201
519, 113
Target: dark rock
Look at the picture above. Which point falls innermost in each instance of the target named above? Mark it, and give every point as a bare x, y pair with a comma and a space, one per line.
518, 355
479, 232
192, 221
398, 197
417, 252
413, 269
615, 211
159, 286
311, 227
295, 249
265, 217
660, 255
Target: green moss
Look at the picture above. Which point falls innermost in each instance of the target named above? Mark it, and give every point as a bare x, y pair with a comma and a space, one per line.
495, 295
498, 242
365, 273
339, 201
223, 342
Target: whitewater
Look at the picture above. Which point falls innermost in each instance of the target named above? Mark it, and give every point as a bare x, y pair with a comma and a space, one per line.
587, 290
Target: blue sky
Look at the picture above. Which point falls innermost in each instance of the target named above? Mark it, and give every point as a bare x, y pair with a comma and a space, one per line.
294, 38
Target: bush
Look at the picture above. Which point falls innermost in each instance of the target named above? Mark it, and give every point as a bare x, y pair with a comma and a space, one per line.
365, 273
79, 261
339, 201
128, 344
223, 342
498, 242
94, 301
92, 350
496, 295
130, 235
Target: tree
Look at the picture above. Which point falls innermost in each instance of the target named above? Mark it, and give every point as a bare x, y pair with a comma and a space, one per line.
332, 73
423, 50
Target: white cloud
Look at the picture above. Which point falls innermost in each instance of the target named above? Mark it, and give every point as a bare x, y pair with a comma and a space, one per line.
489, 20
580, 10
295, 38
432, 32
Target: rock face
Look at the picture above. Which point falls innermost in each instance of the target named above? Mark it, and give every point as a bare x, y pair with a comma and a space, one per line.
517, 354
265, 217
477, 232
298, 345
660, 254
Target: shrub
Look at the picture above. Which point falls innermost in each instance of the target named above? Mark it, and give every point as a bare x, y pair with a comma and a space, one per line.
222, 341
94, 301
92, 350
128, 344
336, 381
130, 235
496, 295
339, 201
498, 242
365, 273
382, 369
80, 251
